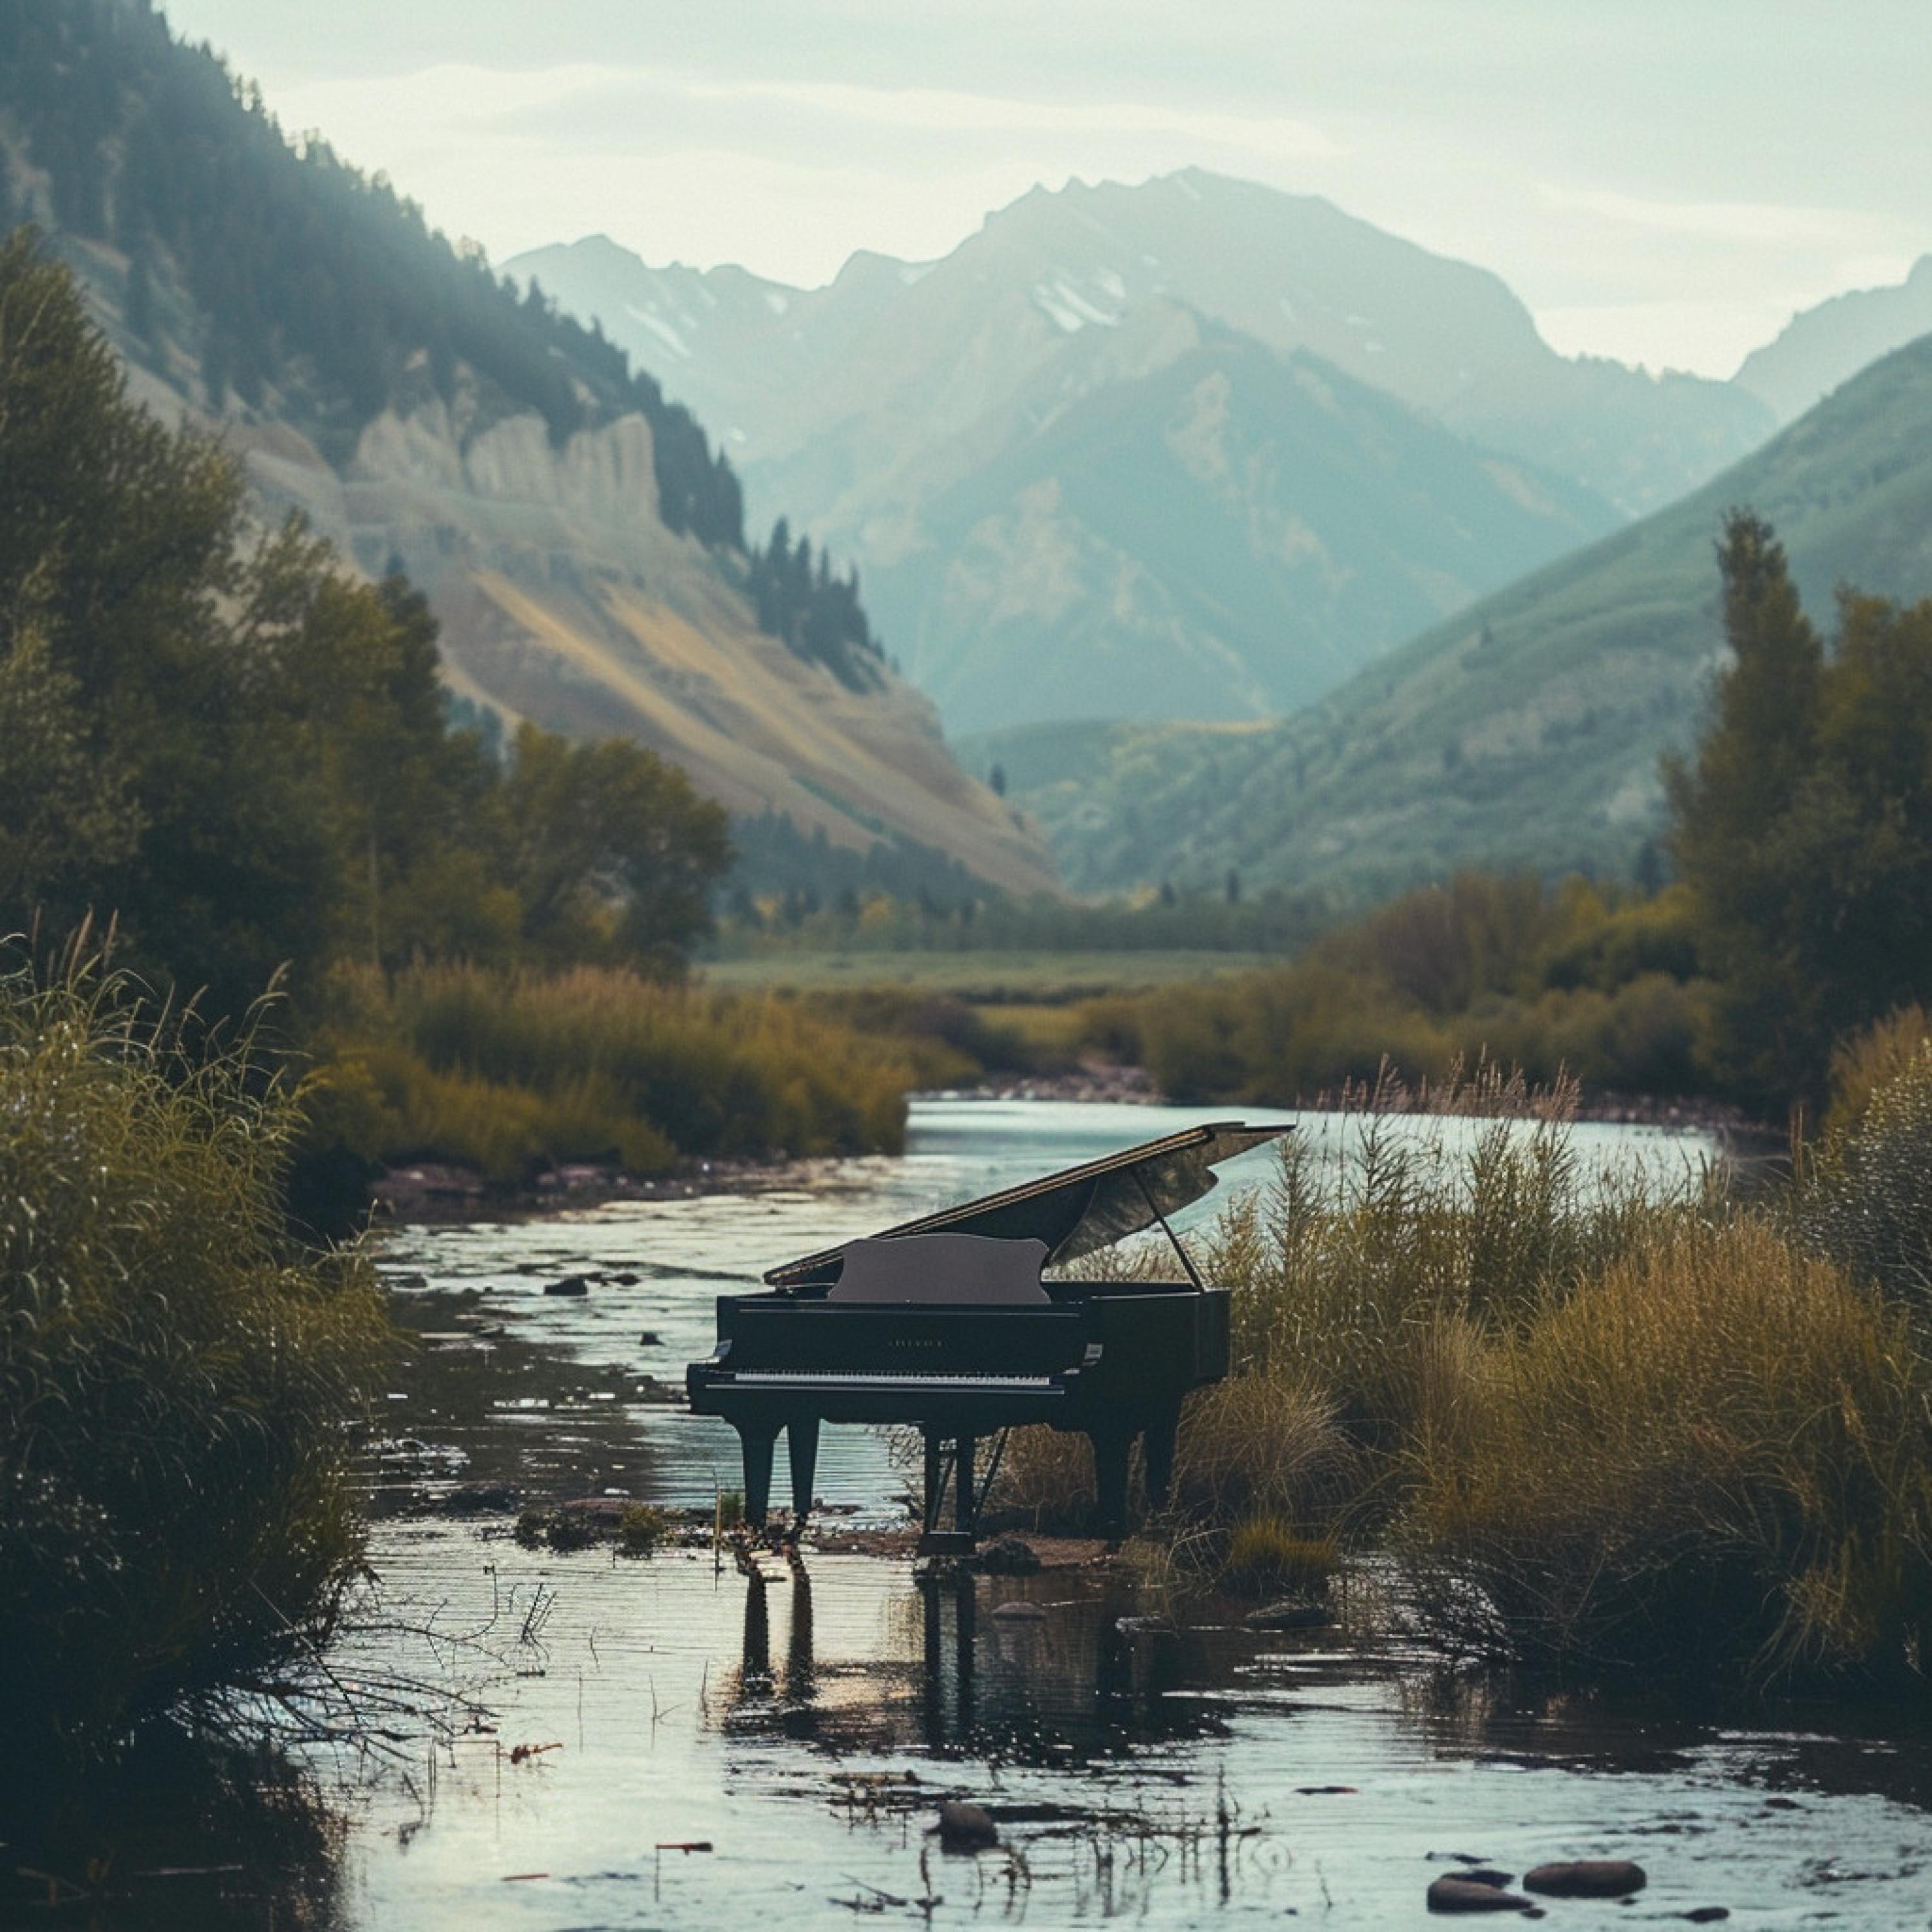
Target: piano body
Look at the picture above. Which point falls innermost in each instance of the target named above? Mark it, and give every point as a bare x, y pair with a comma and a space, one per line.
947, 1324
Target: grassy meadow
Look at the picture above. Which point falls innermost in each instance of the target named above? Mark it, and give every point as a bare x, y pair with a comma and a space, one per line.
509, 1072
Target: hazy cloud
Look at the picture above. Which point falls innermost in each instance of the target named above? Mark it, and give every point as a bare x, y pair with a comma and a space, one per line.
1662, 182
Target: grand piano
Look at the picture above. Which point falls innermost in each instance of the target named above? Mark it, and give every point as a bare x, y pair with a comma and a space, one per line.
950, 1325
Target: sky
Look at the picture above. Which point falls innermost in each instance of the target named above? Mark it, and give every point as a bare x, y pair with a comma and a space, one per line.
1663, 180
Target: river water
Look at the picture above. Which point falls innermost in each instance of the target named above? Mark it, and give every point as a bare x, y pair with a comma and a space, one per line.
799, 1726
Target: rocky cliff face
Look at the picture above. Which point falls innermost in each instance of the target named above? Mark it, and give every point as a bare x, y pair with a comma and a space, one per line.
563, 599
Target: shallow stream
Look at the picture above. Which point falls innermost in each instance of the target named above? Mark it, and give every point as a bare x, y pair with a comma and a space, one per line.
707, 1749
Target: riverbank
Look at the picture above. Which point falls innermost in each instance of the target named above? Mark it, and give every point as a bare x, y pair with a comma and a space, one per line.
805, 1720
435, 1191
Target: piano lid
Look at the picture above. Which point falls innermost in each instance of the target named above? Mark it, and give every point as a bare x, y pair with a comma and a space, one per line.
1081, 1209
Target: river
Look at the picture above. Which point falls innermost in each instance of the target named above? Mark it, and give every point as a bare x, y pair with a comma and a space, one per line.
799, 1726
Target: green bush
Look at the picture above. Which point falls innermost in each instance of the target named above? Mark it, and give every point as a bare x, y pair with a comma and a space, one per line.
641, 1529
176, 1379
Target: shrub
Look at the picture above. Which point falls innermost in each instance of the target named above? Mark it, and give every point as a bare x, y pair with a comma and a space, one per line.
509, 1072
175, 1376
641, 1529
1865, 1198
1265, 1553
1713, 1455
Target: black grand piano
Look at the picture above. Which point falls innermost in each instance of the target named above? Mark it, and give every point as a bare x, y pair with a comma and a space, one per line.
945, 1323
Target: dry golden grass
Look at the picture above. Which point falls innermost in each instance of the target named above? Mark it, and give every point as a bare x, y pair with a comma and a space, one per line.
1713, 1454
1871, 1060
509, 1071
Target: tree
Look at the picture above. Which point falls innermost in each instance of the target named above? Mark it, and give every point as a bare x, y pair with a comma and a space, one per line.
241, 755
1803, 824
613, 851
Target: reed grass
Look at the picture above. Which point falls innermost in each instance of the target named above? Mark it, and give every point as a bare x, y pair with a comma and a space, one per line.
1401, 1229
1610, 1421
1712, 1457
175, 1376
508, 1072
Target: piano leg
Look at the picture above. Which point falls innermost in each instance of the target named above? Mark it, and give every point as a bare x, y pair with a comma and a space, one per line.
963, 1497
933, 1497
802, 1444
1110, 1473
1157, 1445
757, 1447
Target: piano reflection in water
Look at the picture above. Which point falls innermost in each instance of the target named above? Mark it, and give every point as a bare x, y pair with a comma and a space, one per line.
951, 1324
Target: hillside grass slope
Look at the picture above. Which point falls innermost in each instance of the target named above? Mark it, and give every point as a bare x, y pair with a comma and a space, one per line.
1526, 731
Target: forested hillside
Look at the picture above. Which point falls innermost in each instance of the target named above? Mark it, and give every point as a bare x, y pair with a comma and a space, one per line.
1527, 731
581, 542
283, 271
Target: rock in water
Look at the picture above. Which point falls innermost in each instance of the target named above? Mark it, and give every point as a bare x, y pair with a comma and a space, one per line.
571, 1284
1587, 1878
1009, 1556
1454, 1893
966, 1827
1020, 1613
1288, 1616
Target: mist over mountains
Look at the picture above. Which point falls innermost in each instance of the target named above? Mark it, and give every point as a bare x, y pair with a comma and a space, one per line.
1014, 441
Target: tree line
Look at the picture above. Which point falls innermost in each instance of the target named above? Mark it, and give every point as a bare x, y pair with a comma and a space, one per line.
241, 755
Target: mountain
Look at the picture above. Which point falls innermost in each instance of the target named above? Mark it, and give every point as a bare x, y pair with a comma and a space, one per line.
883, 405
1220, 538
1526, 732
1822, 347
579, 538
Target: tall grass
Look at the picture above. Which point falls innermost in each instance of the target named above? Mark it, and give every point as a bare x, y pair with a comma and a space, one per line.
1400, 1231
1714, 1457
1609, 1421
512, 1071
175, 1378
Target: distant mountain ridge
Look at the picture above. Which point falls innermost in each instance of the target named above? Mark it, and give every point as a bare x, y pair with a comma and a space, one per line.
1525, 732
880, 406
580, 542
1824, 346
1216, 535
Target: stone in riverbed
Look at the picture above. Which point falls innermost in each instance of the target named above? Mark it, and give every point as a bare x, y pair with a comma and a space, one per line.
1587, 1878
1018, 1612
966, 1827
1706, 1915
1454, 1892
1288, 1616
571, 1284
1009, 1556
